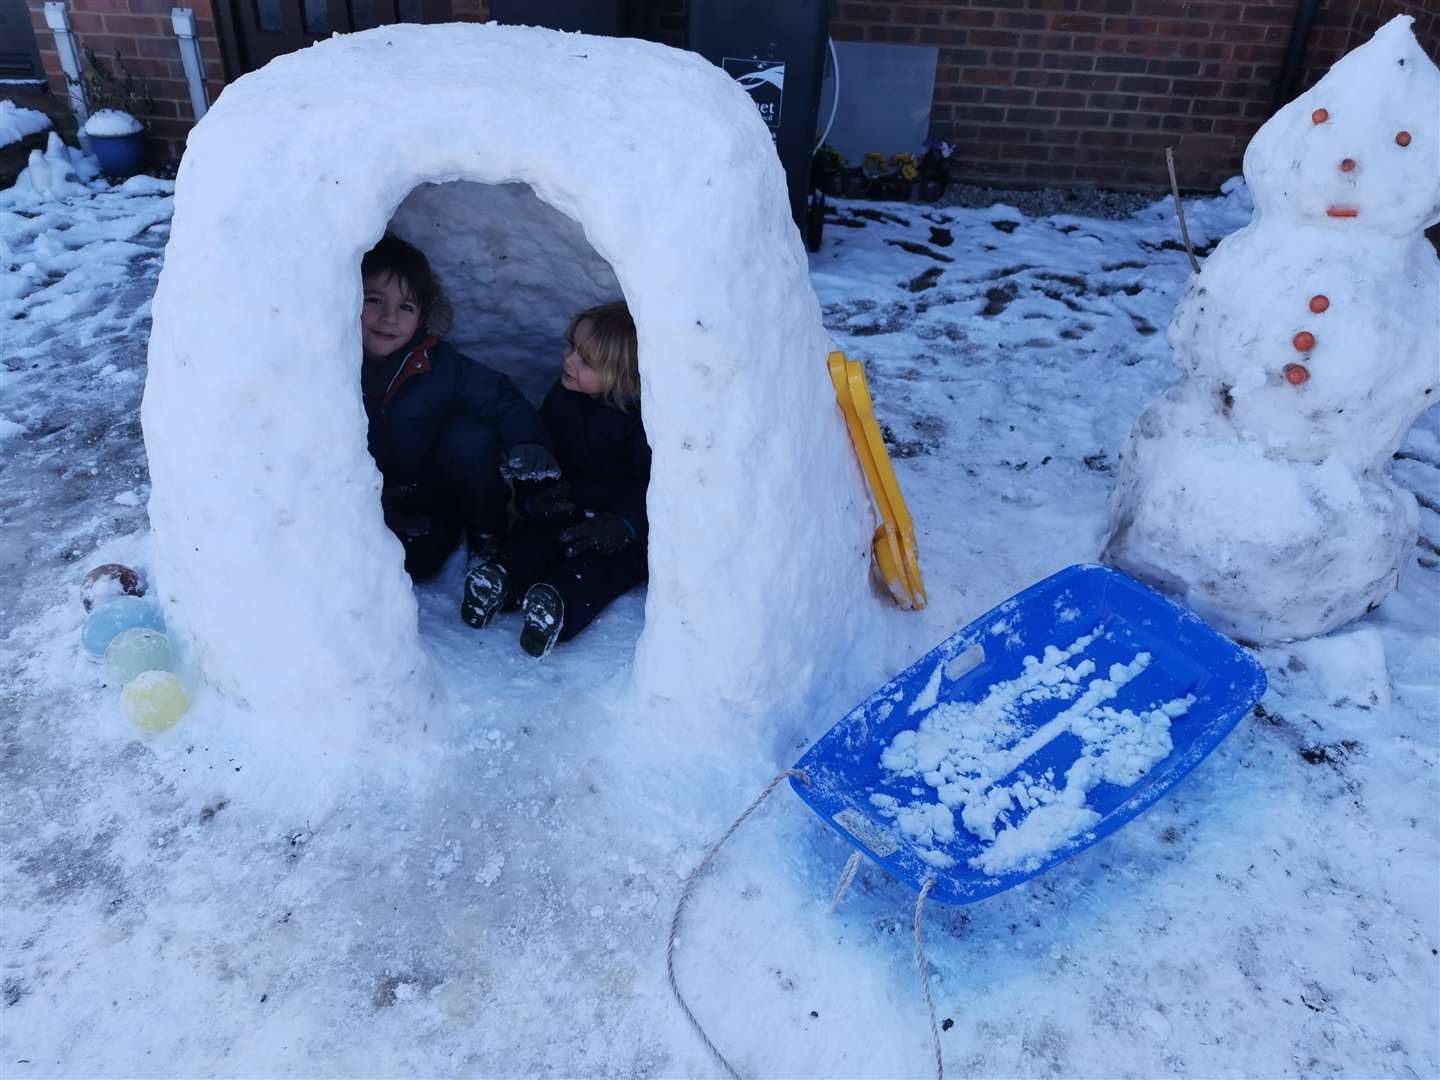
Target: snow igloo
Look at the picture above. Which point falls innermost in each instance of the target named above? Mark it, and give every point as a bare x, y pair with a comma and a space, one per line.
541, 173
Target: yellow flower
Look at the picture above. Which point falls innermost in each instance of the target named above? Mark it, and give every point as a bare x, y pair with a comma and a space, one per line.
908, 172
874, 155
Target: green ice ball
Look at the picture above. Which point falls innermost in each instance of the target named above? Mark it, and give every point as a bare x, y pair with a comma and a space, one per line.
135, 650
154, 701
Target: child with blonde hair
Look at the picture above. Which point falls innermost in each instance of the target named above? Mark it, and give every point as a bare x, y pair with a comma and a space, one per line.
580, 543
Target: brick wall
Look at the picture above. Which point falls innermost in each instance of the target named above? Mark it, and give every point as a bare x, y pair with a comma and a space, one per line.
140, 32
1093, 91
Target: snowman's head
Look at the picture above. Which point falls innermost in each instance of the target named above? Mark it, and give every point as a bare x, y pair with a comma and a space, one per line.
1361, 148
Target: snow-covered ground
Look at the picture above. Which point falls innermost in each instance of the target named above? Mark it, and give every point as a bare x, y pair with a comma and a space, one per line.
494, 898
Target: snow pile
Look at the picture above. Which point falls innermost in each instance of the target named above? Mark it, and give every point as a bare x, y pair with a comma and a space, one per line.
111, 123
1257, 488
17, 123
972, 754
271, 552
60, 171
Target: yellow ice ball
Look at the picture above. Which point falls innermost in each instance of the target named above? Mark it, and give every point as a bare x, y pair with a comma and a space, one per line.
154, 701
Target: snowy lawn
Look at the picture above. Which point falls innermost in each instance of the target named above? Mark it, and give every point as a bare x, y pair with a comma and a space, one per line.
490, 893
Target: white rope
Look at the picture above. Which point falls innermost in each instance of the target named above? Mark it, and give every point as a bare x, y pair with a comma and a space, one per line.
925, 979
684, 899
846, 877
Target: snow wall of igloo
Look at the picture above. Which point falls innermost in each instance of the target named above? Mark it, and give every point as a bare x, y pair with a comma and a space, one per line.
586, 168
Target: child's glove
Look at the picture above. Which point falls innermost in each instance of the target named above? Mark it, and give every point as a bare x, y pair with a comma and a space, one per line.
605, 533
530, 461
550, 504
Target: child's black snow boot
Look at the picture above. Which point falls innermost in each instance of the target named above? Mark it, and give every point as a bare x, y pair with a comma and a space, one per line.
484, 593
544, 613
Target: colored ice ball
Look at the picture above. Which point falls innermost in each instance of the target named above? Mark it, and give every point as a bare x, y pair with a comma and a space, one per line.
110, 579
113, 616
135, 650
154, 701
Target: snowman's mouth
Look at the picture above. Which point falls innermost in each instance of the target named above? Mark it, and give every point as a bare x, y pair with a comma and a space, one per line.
1342, 211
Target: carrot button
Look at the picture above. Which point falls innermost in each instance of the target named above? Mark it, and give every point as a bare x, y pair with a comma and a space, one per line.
1348, 165
1403, 138
1319, 303
1304, 341
1295, 374
1319, 116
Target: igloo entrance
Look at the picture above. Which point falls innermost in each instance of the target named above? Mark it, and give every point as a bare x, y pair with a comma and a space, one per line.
556, 155
514, 270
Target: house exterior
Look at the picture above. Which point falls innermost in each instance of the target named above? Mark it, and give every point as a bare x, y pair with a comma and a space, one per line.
1029, 92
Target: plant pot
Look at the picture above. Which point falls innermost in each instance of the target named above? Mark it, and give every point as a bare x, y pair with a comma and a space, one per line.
898, 190
834, 184
857, 186
930, 190
119, 156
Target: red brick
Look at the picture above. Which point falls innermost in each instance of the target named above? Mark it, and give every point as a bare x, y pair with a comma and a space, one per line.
1144, 84
1082, 118
1021, 115
987, 76
867, 13
1060, 99
966, 16
137, 25
1086, 23
1000, 95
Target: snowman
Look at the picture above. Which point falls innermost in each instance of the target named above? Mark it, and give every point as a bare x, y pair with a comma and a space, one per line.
1256, 490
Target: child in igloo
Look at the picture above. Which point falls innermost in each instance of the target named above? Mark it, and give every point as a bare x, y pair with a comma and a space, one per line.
445, 431
582, 543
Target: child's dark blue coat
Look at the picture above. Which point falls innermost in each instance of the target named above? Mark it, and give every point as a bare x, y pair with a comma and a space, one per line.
603, 454
606, 461
439, 423
415, 393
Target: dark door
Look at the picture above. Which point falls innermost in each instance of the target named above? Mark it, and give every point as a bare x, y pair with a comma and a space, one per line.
19, 58
257, 31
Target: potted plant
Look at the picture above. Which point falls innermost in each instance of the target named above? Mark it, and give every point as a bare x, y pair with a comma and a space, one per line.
934, 169
829, 171
116, 99
900, 182
872, 172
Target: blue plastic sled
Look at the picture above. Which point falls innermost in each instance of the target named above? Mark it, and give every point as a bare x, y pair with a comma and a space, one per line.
1009, 721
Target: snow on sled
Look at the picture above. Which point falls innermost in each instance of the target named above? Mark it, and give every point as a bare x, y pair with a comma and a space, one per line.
1034, 732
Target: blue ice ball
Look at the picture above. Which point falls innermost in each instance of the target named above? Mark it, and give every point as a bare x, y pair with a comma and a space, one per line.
121, 613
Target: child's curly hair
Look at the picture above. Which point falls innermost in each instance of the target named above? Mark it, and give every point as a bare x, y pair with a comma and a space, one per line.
611, 349
393, 257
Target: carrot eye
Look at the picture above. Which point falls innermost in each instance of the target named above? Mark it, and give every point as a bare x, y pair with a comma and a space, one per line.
1403, 138
1319, 116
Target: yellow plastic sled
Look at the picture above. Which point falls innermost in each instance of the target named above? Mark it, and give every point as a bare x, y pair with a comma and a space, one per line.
896, 560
